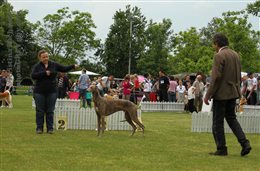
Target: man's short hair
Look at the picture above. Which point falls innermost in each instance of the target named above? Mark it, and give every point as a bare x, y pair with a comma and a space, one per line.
84, 70
220, 39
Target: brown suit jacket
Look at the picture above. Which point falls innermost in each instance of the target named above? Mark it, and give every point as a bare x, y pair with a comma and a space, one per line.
226, 76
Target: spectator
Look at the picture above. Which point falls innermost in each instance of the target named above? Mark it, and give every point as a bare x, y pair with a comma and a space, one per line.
45, 90
2, 81
258, 91
75, 86
104, 84
172, 90
9, 81
163, 86
126, 87
199, 88
147, 86
191, 97
83, 85
63, 85
251, 89
187, 79
181, 90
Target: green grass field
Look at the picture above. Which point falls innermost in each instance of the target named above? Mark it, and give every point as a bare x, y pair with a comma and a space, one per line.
168, 144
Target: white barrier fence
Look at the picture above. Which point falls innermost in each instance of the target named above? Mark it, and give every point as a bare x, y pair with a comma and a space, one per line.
162, 107
249, 121
69, 103
86, 118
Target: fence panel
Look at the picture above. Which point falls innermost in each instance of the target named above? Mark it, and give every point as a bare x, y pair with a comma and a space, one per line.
249, 121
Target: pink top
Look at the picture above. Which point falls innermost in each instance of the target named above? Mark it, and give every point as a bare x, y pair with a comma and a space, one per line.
172, 87
126, 87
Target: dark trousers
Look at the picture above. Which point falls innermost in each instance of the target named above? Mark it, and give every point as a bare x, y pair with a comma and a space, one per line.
226, 109
163, 95
61, 93
252, 99
172, 96
45, 104
191, 106
82, 94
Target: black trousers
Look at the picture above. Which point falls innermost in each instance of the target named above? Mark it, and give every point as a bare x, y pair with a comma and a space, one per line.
226, 109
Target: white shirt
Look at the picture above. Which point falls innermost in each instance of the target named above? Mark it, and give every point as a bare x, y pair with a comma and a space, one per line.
105, 82
191, 93
251, 83
147, 85
180, 89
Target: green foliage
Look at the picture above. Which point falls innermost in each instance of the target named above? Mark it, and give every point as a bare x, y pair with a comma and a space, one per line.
116, 48
254, 8
16, 41
68, 34
191, 54
158, 47
242, 38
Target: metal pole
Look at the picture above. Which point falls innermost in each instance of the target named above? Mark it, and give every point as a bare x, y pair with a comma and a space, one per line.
130, 46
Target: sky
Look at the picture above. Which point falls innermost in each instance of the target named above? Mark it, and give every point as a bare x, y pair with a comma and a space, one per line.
183, 14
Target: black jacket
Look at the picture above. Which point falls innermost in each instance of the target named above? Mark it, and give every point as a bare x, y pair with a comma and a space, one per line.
47, 84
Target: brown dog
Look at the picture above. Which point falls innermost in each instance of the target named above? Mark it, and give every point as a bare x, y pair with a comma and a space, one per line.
6, 97
105, 107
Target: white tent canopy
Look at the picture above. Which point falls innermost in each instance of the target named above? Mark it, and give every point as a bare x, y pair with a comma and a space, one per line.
80, 72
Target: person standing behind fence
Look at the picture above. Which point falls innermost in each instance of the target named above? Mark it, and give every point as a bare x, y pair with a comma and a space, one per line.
9, 81
2, 81
126, 87
172, 90
163, 86
45, 90
181, 90
83, 85
191, 97
104, 84
63, 85
224, 89
199, 88
147, 86
251, 89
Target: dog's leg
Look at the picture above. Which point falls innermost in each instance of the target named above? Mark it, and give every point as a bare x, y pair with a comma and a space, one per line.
103, 123
129, 120
99, 122
10, 105
133, 116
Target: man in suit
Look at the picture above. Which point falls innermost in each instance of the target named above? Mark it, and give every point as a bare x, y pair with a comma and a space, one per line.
224, 90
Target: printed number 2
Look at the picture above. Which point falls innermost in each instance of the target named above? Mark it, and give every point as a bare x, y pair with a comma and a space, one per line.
61, 124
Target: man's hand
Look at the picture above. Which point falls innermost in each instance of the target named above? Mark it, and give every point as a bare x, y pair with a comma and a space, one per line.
206, 100
48, 73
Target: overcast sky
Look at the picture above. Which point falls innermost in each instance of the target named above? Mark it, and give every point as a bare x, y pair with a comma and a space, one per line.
183, 14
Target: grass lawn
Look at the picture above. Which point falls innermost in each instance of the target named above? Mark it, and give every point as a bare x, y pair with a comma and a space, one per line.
168, 144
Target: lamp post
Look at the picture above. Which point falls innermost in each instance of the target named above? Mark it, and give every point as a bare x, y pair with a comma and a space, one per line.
130, 46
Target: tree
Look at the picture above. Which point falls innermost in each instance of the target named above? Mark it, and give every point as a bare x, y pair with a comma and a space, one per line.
115, 54
67, 35
254, 8
18, 50
191, 54
158, 46
242, 38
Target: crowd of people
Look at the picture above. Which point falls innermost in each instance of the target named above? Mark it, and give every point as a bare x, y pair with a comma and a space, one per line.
187, 90
6, 82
